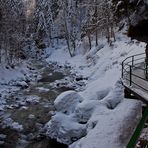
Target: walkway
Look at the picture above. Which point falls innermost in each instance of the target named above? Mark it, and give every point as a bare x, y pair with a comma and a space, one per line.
134, 76
136, 86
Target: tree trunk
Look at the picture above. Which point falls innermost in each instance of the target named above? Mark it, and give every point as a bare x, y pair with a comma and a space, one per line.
68, 45
108, 33
67, 34
96, 20
89, 40
96, 37
113, 33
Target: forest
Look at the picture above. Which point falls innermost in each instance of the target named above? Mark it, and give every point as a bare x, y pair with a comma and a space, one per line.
27, 27
70, 73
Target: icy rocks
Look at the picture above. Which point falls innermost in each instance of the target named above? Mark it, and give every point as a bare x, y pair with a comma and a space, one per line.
1, 142
32, 99
31, 116
67, 102
2, 136
22, 84
8, 122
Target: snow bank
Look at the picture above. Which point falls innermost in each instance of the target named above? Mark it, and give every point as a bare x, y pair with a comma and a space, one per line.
104, 116
109, 122
13, 74
111, 128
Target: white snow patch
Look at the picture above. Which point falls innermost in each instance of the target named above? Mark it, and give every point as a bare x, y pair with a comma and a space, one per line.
42, 89
32, 99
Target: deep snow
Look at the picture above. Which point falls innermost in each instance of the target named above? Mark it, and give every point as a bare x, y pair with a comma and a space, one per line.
104, 118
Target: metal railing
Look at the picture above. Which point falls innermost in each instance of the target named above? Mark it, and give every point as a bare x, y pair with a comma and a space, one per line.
129, 67
132, 63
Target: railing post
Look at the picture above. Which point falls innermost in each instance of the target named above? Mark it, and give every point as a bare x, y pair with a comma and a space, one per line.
130, 75
132, 61
122, 69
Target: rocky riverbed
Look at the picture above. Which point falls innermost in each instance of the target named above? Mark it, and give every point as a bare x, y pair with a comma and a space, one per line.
28, 104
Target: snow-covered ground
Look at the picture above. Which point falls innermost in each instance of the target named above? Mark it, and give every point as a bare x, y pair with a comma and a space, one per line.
99, 116
13, 79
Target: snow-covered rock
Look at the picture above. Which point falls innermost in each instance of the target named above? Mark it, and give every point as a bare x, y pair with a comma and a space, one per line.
67, 102
84, 110
22, 84
65, 132
2, 136
1, 142
8, 122
42, 89
115, 96
32, 99
31, 116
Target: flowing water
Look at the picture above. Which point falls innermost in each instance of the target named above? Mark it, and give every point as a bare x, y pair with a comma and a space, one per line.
32, 108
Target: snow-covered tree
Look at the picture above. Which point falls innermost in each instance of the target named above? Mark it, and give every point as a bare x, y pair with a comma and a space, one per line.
12, 29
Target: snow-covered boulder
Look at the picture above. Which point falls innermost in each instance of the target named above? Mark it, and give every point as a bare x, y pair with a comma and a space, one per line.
65, 128
67, 102
84, 110
115, 96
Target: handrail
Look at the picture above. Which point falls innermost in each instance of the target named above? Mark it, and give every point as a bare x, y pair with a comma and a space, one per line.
137, 132
132, 56
128, 65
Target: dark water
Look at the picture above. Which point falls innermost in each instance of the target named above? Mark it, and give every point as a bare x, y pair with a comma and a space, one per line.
33, 115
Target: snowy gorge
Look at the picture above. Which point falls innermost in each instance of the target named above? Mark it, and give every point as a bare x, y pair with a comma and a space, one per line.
60, 72
97, 115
